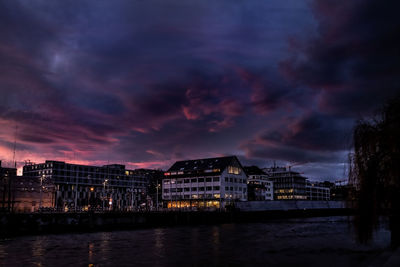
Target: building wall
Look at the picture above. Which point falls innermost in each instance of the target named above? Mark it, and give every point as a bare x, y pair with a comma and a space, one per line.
315, 192
288, 185
205, 191
263, 180
109, 187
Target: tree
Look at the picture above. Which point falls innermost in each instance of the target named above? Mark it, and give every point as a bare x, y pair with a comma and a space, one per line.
375, 170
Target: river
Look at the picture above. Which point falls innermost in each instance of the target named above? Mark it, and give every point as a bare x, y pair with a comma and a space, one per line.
327, 241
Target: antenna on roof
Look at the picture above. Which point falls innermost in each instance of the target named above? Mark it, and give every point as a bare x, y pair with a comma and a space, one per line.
15, 145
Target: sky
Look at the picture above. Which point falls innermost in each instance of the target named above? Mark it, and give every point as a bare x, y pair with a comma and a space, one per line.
147, 83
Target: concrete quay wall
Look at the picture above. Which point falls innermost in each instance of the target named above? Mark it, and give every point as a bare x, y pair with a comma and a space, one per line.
14, 224
288, 205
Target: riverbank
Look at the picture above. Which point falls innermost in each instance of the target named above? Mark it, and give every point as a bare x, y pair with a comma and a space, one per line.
49, 223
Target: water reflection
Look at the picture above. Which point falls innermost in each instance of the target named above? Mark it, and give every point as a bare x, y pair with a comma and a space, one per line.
38, 251
276, 244
90, 253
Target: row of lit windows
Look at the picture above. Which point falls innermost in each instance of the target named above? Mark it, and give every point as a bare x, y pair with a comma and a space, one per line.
192, 180
205, 196
193, 189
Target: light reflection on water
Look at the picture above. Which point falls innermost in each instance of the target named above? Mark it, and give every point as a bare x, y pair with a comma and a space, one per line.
300, 242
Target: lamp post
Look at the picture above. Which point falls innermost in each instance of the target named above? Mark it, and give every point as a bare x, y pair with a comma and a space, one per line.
76, 190
41, 190
104, 191
157, 195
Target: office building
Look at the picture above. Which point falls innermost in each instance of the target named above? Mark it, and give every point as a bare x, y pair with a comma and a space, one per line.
83, 187
204, 183
259, 185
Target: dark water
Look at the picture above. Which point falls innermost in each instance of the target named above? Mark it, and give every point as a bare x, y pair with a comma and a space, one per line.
298, 242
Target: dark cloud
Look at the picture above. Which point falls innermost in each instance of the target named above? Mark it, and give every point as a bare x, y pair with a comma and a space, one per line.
353, 61
150, 82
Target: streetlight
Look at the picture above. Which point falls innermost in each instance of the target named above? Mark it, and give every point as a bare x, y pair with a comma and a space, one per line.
157, 195
104, 191
41, 190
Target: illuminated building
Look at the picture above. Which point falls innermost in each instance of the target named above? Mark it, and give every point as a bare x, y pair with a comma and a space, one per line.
288, 185
82, 187
204, 183
260, 187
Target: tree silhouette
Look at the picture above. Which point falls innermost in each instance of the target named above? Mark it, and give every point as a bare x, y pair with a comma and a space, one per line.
375, 171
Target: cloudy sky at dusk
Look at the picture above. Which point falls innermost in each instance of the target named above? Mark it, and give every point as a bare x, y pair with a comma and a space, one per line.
146, 83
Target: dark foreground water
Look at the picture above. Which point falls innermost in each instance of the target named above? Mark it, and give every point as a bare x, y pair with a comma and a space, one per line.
297, 242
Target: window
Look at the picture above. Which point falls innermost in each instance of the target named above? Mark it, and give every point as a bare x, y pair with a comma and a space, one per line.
233, 170
166, 190
194, 188
208, 188
208, 180
194, 180
226, 188
216, 188
187, 181
201, 180
187, 189
201, 188
216, 179
226, 179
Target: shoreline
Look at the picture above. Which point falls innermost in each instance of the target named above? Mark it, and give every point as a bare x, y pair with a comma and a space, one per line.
21, 224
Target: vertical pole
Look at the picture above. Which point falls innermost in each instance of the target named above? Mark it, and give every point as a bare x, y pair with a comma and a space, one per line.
157, 195
76, 188
41, 190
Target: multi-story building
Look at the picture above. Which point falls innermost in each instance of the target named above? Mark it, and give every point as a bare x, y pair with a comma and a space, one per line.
6, 178
154, 192
317, 191
260, 187
30, 194
82, 187
287, 184
204, 183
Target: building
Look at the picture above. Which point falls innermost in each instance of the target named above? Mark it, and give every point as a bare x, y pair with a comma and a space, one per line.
154, 192
30, 194
83, 187
288, 185
259, 186
6, 178
317, 191
204, 183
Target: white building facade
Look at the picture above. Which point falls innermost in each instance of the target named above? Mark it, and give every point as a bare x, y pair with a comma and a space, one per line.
204, 183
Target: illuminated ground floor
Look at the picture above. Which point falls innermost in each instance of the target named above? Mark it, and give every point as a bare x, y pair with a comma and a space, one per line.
188, 204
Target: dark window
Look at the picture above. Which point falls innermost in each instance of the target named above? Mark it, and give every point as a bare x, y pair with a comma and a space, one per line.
216, 179
208, 180
201, 180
